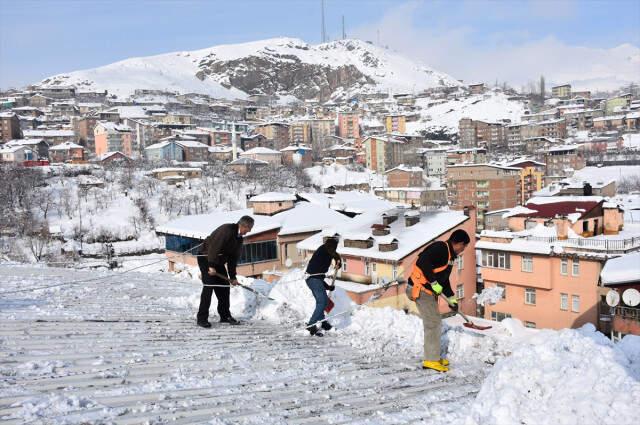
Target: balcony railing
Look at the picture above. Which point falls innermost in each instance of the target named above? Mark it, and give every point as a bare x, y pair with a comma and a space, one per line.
627, 312
589, 243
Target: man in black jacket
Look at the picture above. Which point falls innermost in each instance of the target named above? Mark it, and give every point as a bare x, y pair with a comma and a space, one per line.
222, 246
429, 278
318, 266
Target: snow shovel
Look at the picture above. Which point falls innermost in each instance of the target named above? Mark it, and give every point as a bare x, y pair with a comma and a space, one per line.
221, 276
330, 303
468, 323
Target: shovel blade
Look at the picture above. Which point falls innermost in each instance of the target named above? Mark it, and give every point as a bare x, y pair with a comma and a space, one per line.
329, 306
476, 327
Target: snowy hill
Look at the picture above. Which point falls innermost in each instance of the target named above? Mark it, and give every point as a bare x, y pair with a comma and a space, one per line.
281, 66
114, 348
446, 115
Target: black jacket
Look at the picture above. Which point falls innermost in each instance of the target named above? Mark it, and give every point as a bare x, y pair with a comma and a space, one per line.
432, 257
320, 262
223, 246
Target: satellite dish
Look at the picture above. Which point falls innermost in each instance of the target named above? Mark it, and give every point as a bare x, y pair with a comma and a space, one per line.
631, 297
613, 298
288, 263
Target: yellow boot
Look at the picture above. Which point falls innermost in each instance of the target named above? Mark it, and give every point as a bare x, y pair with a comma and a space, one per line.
435, 365
444, 362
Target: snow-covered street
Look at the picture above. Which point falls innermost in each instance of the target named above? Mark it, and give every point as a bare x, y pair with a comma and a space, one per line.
124, 348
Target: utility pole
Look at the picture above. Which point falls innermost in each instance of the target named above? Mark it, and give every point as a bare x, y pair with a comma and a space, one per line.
324, 33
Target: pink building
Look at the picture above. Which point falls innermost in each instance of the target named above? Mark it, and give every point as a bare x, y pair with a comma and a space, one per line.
110, 137
550, 260
382, 247
349, 125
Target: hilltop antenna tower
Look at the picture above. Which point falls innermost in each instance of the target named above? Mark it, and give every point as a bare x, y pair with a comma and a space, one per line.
344, 34
324, 32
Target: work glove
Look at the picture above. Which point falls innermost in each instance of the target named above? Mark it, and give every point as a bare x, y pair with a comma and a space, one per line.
453, 303
436, 288
329, 287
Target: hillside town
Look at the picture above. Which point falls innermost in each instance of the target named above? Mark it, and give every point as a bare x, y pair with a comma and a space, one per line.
534, 189
321, 212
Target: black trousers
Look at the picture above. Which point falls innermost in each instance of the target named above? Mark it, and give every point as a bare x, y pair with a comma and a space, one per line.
222, 293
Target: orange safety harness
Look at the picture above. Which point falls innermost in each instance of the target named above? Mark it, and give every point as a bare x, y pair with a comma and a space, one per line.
419, 280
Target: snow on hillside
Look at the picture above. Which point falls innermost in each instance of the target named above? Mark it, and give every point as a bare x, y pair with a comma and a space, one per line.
606, 174
340, 175
125, 349
177, 71
447, 114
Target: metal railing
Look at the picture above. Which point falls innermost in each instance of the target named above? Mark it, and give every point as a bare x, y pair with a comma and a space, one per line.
599, 244
627, 312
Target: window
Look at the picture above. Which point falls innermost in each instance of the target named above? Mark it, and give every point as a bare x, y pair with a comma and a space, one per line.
373, 267
482, 183
394, 272
460, 291
367, 268
344, 265
504, 290
575, 270
182, 244
460, 262
527, 263
530, 296
258, 252
496, 259
564, 266
575, 303
530, 324
499, 317
482, 193
564, 302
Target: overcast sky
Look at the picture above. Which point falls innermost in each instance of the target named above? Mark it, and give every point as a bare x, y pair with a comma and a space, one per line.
514, 41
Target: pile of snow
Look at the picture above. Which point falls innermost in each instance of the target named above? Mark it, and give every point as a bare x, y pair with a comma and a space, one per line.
540, 376
340, 175
563, 377
606, 174
489, 295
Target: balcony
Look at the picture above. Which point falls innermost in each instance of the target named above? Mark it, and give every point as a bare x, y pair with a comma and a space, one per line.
606, 245
627, 312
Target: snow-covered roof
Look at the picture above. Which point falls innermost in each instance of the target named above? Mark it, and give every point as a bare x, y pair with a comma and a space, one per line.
563, 148
113, 127
248, 161
517, 245
430, 226
191, 144
31, 134
296, 148
273, 197
406, 168
110, 154
623, 269
201, 226
261, 151
308, 217
13, 149
65, 146
175, 169
224, 149
24, 142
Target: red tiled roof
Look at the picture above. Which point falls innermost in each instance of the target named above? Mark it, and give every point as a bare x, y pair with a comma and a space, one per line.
550, 210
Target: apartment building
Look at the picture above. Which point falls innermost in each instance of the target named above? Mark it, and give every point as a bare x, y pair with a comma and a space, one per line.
531, 177
396, 123
563, 91
110, 137
383, 153
349, 125
550, 260
9, 126
563, 160
485, 186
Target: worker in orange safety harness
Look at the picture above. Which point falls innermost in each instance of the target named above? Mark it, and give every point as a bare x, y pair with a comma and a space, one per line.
429, 278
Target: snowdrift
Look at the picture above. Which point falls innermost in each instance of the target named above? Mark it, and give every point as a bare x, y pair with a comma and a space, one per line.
539, 377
